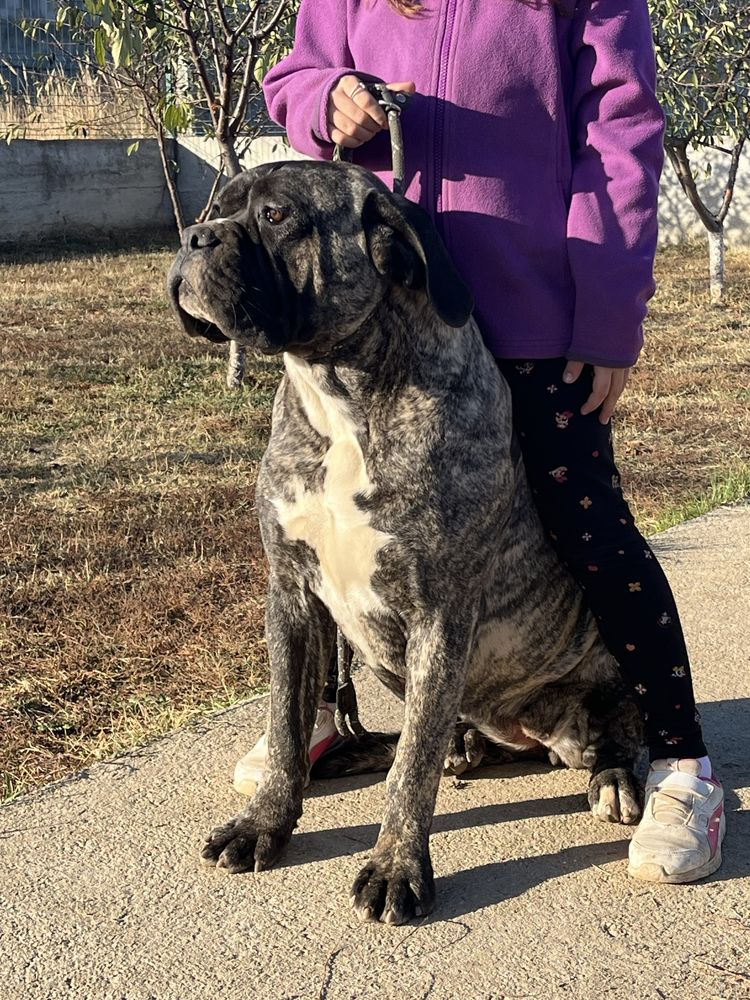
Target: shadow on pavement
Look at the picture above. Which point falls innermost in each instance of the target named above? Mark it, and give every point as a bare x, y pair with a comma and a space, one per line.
467, 891
322, 845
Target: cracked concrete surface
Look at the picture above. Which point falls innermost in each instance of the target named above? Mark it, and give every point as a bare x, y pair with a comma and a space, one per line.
102, 896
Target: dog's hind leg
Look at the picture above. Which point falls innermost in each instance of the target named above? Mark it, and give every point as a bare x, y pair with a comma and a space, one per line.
593, 725
616, 738
466, 750
614, 794
372, 752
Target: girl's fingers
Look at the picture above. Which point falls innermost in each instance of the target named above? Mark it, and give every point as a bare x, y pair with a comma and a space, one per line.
600, 389
361, 108
354, 116
406, 86
572, 370
350, 129
619, 381
344, 140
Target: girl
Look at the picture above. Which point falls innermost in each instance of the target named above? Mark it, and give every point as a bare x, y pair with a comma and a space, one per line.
534, 139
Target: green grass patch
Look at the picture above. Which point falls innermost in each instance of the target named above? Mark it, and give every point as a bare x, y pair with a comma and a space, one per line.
730, 486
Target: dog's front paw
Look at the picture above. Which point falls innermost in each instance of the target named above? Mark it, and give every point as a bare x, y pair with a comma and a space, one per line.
245, 844
614, 796
394, 886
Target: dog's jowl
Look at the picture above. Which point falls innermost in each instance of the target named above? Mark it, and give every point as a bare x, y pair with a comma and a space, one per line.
393, 504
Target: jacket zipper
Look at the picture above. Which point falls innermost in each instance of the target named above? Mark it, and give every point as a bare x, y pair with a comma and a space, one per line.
445, 45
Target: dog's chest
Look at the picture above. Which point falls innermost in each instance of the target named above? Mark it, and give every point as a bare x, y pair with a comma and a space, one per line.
328, 519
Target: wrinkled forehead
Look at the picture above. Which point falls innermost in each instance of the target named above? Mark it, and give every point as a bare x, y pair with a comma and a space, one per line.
321, 187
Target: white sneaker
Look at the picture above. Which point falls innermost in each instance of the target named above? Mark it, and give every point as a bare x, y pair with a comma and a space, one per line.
679, 838
249, 771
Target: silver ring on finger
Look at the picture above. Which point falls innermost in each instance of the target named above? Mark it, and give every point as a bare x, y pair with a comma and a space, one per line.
357, 90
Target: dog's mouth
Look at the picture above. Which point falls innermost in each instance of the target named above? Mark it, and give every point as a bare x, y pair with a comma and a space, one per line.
183, 299
186, 305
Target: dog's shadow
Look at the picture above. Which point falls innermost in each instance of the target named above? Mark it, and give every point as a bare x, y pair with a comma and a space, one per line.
474, 888
324, 845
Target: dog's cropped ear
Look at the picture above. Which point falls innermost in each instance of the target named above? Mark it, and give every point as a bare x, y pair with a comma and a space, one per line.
404, 245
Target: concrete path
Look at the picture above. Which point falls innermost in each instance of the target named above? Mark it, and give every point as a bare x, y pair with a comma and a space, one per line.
102, 895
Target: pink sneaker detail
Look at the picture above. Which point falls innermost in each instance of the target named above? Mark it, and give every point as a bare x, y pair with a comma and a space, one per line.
716, 824
317, 751
249, 770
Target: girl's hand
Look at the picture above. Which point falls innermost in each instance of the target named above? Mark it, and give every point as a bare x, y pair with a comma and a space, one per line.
609, 385
354, 116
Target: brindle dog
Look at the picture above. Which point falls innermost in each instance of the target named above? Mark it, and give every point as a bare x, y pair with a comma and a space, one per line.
393, 504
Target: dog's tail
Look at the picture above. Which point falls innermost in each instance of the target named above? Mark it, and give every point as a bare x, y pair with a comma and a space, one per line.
370, 752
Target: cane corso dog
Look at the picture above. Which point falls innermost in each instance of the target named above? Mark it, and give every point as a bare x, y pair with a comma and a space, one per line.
393, 503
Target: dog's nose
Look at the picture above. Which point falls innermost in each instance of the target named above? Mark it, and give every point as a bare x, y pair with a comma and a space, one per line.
199, 238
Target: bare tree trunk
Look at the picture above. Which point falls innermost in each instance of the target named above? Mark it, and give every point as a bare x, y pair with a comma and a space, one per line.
231, 167
714, 223
229, 158
716, 265
236, 365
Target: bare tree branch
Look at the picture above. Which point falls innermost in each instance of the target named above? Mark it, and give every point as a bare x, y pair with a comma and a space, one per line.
214, 188
248, 75
197, 60
269, 26
729, 187
678, 157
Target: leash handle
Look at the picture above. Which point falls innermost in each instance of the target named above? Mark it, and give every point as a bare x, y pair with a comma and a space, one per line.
392, 102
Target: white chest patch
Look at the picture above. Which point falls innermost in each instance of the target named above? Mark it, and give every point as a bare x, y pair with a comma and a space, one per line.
329, 520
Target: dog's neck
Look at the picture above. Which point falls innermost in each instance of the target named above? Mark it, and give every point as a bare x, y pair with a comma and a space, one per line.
402, 344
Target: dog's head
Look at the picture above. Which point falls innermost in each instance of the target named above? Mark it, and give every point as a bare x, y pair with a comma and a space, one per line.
299, 255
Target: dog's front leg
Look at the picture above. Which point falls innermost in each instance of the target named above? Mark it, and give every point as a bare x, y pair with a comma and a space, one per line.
397, 882
300, 636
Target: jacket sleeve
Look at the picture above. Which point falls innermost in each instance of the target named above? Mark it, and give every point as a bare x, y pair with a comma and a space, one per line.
617, 157
298, 87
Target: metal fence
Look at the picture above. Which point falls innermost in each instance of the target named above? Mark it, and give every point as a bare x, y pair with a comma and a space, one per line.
19, 52
45, 93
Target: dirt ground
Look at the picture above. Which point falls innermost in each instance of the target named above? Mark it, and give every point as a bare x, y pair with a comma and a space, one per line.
133, 578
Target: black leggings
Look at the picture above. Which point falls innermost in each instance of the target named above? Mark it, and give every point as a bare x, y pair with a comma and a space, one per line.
571, 469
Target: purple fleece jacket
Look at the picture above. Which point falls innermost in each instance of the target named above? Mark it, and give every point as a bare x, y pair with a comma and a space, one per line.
534, 141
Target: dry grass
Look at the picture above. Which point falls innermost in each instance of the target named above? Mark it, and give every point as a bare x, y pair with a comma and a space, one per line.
49, 104
132, 591
683, 432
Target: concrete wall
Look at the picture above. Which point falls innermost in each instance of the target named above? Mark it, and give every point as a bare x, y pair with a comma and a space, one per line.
199, 162
91, 185
80, 186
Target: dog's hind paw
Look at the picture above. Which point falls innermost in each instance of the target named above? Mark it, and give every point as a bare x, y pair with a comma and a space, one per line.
242, 845
393, 887
466, 750
614, 796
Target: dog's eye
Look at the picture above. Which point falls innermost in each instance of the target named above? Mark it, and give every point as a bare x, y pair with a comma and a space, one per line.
274, 214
